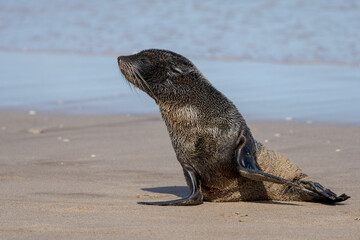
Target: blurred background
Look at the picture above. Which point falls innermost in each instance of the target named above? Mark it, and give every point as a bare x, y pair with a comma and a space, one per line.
276, 60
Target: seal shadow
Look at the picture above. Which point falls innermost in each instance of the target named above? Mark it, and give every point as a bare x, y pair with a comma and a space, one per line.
180, 191
183, 191
278, 203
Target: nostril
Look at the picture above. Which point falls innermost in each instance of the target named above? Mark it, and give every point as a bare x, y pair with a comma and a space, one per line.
119, 58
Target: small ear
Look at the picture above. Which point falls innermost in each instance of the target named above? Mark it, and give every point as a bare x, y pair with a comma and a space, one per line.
176, 69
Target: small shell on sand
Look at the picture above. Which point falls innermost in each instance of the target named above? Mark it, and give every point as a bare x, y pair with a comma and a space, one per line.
35, 131
93, 155
32, 112
66, 140
338, 150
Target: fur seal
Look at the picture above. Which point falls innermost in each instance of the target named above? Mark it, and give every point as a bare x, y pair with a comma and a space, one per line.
220, 158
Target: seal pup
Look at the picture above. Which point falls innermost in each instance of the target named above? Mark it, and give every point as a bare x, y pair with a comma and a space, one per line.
220, 158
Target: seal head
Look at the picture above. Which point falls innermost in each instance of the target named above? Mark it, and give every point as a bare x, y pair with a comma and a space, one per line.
162, 74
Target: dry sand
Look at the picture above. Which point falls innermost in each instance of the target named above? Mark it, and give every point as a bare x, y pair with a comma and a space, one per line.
79, 177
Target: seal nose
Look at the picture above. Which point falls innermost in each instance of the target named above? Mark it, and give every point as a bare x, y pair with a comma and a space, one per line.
122, 59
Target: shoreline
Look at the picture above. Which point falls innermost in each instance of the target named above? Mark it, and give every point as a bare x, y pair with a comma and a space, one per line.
76, 84
157, 115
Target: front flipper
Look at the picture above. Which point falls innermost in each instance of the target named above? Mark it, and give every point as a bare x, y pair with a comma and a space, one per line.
195, 197
327, 194
248, 168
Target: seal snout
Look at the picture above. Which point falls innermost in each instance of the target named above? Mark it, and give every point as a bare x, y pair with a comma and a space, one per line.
121, 59
122, 62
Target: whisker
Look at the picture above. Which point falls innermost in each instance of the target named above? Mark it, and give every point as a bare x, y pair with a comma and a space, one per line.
145, 83
137, 78
127, 69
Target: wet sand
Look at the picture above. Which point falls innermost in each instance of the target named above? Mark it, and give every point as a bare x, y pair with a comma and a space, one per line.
79, 177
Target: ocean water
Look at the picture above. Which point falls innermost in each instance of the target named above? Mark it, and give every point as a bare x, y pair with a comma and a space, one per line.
274, 59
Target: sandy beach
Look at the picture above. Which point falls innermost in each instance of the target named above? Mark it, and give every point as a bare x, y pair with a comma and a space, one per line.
79, 148
79, 177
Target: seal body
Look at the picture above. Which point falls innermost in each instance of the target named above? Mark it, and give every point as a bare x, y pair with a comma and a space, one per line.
204, 128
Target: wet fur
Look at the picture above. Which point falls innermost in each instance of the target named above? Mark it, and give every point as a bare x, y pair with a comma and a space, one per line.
204, 127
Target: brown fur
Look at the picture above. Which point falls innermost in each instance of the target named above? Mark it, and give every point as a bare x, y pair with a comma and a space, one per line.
274, 163
204, 127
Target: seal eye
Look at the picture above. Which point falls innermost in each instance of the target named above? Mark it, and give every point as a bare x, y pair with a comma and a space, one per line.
144, 60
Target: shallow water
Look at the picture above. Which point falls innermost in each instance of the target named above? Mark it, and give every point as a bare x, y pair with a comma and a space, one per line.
325, 31
87, 84
61, 56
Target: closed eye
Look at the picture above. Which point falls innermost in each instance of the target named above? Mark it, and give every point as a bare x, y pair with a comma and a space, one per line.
144, 60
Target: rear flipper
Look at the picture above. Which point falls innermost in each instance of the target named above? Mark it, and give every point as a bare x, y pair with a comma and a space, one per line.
247, 166
325, 194
309, 191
